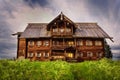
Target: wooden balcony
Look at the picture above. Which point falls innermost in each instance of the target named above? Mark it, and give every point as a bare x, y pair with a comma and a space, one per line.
62, 34
61, 47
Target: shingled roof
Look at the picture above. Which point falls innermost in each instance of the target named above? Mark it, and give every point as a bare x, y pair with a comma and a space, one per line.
83, 30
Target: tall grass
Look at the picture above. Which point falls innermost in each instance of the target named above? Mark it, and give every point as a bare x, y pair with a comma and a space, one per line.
104, 69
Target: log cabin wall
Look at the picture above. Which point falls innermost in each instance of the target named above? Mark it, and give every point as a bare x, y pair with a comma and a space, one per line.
38, 49
21, 48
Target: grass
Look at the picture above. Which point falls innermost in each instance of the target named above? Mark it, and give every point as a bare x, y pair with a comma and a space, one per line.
104, 69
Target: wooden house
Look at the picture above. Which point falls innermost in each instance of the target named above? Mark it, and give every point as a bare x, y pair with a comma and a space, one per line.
62, 39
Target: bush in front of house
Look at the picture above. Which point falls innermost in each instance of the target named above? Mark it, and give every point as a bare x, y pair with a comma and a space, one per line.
104, 69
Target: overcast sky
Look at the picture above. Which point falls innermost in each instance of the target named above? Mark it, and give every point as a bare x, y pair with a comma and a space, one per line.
16, 14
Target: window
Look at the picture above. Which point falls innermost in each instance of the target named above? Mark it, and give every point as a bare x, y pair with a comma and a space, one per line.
39, 43
98, 43
61, 30
38, 54
80, 43
70, 43
68, 30
55, 30
46, 43
89, 54
45, 54
56, 43
30, 54
70, 55
81, 54
99, 54
31, 43
89, 43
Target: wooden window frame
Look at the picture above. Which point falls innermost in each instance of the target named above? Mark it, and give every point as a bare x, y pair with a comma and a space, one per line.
29, 54
98, 43
31, 43
80, 43
39, 43
48, 43
38, 54
89, 43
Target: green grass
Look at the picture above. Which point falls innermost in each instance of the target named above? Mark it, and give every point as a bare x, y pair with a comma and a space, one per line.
104, 69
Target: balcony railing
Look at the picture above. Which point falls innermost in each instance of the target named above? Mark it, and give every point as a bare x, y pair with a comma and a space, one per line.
61, 46
59, 33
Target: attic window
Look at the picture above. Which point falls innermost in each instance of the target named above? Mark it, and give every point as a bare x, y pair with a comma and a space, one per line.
62, 30
68, 30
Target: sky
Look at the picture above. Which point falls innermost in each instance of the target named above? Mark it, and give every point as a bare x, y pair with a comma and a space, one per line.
16, 14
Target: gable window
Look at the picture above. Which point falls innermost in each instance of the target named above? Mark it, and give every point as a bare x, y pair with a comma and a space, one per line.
31, 43
61, 30
46, 43
89, 43
79, 43
30, 54
68, 30
39, 43
98, 43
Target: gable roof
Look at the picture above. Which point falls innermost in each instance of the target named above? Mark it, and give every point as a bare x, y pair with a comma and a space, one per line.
83, 30
60, 17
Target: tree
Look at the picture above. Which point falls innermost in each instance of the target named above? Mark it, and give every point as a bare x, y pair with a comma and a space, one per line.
108, 53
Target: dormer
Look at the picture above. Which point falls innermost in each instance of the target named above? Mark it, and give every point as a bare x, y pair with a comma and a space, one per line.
61, 25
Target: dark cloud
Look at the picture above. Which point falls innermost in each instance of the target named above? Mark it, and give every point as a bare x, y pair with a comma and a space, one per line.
19, 11
96, 7
6, 41
33, 3
115, 47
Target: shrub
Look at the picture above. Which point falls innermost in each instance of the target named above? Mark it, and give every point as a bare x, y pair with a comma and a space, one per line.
104, 69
